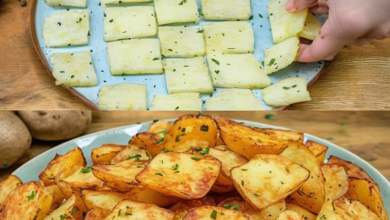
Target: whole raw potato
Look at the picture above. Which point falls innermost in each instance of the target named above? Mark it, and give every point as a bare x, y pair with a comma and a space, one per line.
56, 125
15, 138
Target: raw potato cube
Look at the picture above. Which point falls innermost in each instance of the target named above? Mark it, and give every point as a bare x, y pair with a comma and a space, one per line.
229, 37
285, 92
233, 100
124, 96
187, 75
284, 24
185, 175
69, 28
312, 27
237, 71
123, 2
176, 11
127, 209
74, 69
274, 172
129, 22
137, 56
226, 9
281, 55
181, 41
69, 3
178, 101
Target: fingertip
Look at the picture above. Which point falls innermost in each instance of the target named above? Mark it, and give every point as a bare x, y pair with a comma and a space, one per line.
290, 7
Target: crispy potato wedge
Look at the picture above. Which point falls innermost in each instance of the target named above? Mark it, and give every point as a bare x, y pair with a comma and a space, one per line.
151, 142
105, 200
60, 166
127, 209
29, 201
311, 194
319, 150
306, 214
290, 215
184, 175
276, 178
181, 208
330, 211
106, 152
355, 209
120, 176
188, 131
95, 214
228, 159
336, 181
285, 135
213, 212
269, 213
131, 153
57, 195
353, 170
68, 210
143, 194
159, 127
247, 141
8, 185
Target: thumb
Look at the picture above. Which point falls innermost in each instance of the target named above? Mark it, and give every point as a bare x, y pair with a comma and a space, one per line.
298, 5
326, 45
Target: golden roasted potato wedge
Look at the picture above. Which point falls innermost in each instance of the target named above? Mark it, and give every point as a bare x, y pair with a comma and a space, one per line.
306, 214
181, 208
61, 165
57, 195
29, 201
290, 215
353, 170
319, 150
105, 153
330, 211
184, 175
267, 179
213, 212
127, 209
269, 213
152, 143
190, 130
159, 127
68, 210
355, 209
95, 214
336, 181
284, 135
131, 153
228, 159
247, 141
120, 176
143, 194
311, 194
8, 185
105, 200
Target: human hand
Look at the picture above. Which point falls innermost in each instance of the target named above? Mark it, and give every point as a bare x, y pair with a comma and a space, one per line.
349, 22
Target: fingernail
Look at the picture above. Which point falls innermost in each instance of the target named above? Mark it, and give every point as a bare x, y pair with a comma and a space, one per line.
290, 7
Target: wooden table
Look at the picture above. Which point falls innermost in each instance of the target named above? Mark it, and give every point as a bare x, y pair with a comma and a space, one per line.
358, 79
363, 133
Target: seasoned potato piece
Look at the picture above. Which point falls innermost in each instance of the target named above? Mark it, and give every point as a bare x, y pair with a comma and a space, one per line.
269, 213
330, 211
61, 165
8, 185
152, 143
281, 55
182, 207
68, 210
131, 153
311, 194
219, 213
29, 201
336, 181
189, 101
95, 214
69, 3
355, 208
190, 130
228, 159
285, 135
105, 200
236, 135
312, 27
176, 11
319, 150
226, 9
120, 176
105, 153
113, 98
353, 170
56, 194
159, 127
123, 2
306, 214
284, 24
143, 194
276, 178
234, 100
127, 209
185, 175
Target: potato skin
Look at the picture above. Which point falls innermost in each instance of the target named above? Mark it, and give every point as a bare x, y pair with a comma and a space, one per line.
56, 125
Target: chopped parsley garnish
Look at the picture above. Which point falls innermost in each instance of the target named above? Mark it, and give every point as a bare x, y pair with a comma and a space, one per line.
213, 214
156, 58
134, 156
158, 174
86, 170
111, 20
204, 128
272, 61
215, 61
200, 31
32, 195
269, 116
205, 151
195, 158
176, 167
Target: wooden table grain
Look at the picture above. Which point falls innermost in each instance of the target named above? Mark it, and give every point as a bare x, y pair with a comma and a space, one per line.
365, 134
358, 79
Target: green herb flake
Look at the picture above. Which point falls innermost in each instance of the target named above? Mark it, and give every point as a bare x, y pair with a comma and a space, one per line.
158, 174
261, 16
204, 128
119, 212
111, 20
255, 194
200, 31
216, 61
195, 158
205, 151
177, 139
62, 217
217, 71
72, 76
177, 108
134, 156
235, 207
242, 182
271, 62
86, 170
148, 155
128, 213
74, 210
269, 116
32, 195
213, 214
244, 169
156, 58
286, 88
176, 167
